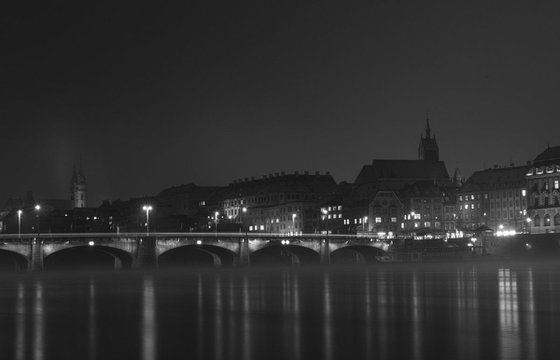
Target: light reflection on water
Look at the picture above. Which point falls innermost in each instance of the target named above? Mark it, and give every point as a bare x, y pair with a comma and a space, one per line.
507, 311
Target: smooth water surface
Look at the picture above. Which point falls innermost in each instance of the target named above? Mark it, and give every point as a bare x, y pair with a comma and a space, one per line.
422, 311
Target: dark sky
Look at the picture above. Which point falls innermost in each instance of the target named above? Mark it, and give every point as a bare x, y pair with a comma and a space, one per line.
151, 96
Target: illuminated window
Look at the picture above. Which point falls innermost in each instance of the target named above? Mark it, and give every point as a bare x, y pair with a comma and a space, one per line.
339, 207
393, 219
378, 220
472, 197
523, 192
556, 184
466, 206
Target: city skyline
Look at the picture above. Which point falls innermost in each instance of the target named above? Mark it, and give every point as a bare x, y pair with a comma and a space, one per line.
153, 97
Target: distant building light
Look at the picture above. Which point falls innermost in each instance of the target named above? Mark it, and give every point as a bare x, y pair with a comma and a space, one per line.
91, 243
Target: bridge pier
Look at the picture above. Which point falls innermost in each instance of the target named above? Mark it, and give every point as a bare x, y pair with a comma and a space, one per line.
243, 252
146, 254
36, 251
324, 253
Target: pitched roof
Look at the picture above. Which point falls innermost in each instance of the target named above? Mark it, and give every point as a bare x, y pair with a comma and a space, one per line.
500, 178
380, 170
550, 154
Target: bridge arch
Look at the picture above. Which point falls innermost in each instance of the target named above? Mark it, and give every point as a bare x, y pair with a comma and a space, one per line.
11, 261
284, 255
356, 254
197, 255
88, 257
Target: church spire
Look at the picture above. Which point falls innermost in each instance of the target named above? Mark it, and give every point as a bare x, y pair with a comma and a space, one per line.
428, 135
428, 148
78, 192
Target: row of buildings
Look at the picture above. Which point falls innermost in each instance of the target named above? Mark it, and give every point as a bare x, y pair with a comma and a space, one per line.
389, 198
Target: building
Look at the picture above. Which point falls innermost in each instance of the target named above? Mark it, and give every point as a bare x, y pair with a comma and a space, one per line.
405, 187
424, 205
386, 212
78, 188
277, 203
496, 198
543, 188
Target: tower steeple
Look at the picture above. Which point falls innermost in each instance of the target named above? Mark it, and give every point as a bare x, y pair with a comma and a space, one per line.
428, 147
427, 127
78, 189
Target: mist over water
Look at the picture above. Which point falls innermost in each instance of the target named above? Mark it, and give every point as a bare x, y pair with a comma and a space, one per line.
507, 310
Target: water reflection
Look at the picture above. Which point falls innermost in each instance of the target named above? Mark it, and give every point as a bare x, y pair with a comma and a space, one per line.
467, 312
38, 323
21, 319
509, 314
245, 335
148, 320
92, 328
327, 319
218, 321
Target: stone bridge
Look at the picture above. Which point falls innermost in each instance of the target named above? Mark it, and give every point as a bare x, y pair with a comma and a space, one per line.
136, 250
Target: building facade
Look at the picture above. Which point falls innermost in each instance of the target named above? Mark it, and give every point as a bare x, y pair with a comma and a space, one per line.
496, 198
543, 184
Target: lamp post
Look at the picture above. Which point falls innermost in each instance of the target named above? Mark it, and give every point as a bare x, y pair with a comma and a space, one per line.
37, 209
243, 212
294, 223
216, 214
19, 212
324, 213
147, 209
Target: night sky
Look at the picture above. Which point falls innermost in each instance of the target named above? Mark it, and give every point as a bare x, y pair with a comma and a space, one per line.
151, 96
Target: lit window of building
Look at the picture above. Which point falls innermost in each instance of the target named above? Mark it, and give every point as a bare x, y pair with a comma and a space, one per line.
393, 219
378, 220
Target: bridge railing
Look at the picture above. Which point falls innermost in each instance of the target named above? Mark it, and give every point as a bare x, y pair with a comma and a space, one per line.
200, 235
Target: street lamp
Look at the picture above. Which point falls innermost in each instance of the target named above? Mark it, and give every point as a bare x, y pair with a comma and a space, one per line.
147, 209
324, 217
37, 209
294, 223
19, 212
216, 220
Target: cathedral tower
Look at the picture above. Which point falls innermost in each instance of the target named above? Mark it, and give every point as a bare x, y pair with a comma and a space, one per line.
428, 148
78, 189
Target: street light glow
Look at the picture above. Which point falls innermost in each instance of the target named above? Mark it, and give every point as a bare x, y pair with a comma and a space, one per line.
147, 209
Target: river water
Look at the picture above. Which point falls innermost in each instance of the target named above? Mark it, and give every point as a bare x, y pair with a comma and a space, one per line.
422, 311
